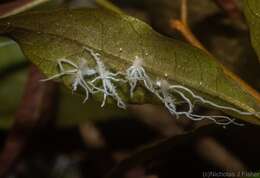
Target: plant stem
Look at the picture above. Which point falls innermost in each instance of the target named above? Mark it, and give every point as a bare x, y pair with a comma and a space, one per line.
37, 106
184, 12
106, 4
185, 30
18, 6
187, 33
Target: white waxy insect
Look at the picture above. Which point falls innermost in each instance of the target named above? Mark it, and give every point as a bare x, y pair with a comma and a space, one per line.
79, 72
102, 80
136, 73
202, 100
107, 78
165, 95
170, 103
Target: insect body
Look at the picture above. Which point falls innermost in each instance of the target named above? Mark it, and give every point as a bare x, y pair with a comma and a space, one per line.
79, 72
137, 73
107, 78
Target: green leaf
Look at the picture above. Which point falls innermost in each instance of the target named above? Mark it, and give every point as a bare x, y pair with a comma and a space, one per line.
9, 54
252, 12
106, 4
47, 36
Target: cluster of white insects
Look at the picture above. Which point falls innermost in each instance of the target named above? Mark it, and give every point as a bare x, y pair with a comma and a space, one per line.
103, 80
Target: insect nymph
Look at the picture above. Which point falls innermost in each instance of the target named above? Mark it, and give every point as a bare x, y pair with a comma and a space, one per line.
107, 78
78, 72
102, 80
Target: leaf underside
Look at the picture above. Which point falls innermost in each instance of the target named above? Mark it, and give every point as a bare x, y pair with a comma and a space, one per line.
46, 37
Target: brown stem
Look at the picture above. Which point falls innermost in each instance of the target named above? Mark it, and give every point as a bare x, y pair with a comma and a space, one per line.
17, 6
36, 105
188, 35
216, 153
184, 12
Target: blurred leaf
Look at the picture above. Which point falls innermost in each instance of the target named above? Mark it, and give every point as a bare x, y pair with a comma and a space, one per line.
108, 5
9, 53
47, 36
11, 90
252, 12
12, 79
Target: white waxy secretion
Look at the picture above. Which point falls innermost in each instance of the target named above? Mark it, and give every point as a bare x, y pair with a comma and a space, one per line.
79, 72
100, 79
